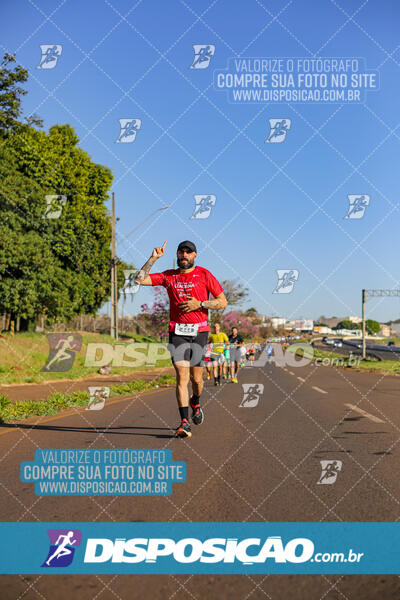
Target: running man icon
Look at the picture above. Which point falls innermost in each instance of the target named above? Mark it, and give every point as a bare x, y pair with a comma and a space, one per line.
128, 130
278, 130
130, 287
330, 470
357, 206
203, 205
97, 397
202, 56
286, 280
252, 393
50, 55
62, 547
62, 351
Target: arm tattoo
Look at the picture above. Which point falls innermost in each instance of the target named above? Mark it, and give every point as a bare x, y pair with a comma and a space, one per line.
144, 271
215, 304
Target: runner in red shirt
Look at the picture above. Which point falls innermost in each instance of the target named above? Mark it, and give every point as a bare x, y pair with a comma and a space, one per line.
188, 289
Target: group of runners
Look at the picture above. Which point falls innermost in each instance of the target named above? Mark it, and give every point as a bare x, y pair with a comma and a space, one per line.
189, 289
224, 354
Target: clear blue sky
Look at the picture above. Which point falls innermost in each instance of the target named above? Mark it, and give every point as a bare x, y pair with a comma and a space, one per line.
279, 206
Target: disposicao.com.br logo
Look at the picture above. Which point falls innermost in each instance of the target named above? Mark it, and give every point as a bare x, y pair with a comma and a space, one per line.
247, 551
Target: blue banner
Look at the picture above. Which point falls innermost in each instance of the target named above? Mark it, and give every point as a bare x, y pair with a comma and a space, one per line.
210, 548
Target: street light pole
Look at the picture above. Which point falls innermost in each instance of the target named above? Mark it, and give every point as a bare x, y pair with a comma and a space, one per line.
114, 280
363, 323
125, 237
114, 293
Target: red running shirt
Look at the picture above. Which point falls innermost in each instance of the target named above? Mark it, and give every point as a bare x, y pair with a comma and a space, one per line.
199, 283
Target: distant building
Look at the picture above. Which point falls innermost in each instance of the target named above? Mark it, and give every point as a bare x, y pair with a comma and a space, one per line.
395, 327
300, 325
277, 322
322, 329
385, 330
330, 321
265, 319
304, 324
352, 319
353, 333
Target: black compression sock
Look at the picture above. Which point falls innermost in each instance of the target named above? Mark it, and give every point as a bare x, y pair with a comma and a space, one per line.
184, 412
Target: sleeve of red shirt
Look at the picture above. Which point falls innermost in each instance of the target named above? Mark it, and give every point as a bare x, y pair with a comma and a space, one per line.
157, 278
213, 285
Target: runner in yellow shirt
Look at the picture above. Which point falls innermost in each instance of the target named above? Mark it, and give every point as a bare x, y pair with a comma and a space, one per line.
218, 339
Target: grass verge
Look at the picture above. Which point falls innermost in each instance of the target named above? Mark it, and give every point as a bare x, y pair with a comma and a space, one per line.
11, 412
23, 356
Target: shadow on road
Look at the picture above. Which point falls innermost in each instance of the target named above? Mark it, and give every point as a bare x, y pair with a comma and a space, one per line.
333, 452
365, 432
96, 430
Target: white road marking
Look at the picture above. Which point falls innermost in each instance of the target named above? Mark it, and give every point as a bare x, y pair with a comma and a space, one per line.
364, 413
314, 387
301, 379
291, 372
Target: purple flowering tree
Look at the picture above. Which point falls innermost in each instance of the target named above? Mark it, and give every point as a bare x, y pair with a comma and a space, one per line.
237, 318
159, 313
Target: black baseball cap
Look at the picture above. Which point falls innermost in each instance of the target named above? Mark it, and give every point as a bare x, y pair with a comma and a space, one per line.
187, 244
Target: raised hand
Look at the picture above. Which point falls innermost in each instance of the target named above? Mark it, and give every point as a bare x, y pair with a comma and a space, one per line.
158, 251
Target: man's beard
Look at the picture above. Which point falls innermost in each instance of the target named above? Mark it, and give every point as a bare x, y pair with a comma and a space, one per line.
185, 265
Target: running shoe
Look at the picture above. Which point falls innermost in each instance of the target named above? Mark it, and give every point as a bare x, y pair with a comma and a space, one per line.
183, 430
208, 377
197, 413
234, 380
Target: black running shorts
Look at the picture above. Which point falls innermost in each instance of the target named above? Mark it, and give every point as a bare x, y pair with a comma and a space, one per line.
188, 347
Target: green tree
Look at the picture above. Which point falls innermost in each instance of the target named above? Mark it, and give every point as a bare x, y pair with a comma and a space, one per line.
62, 264
11, 76
59, 266
235, 293
372, 326
346, 324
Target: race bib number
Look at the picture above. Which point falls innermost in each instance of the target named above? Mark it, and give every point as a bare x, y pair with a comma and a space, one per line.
186, 329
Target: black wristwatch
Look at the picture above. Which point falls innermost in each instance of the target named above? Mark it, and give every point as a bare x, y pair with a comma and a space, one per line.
202, 304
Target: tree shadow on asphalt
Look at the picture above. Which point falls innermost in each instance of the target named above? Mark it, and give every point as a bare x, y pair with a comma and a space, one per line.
96, 430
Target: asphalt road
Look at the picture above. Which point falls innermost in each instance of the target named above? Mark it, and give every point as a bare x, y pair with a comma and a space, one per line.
243, 464
377, 351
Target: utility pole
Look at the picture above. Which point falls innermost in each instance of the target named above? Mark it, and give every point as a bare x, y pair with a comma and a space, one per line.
114, 294
363, 295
